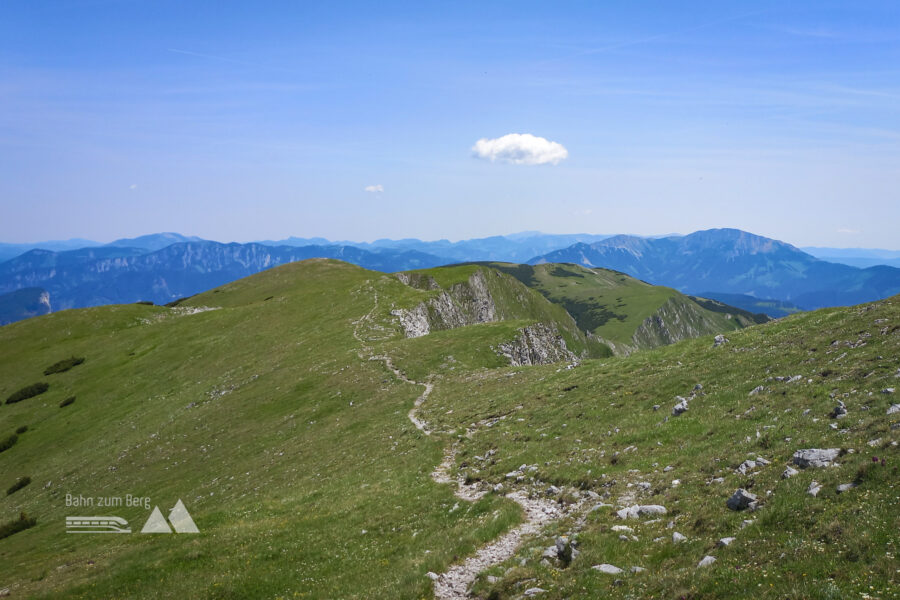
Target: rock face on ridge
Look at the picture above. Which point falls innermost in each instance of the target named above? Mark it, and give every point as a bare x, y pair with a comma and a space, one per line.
460, 305
538, 344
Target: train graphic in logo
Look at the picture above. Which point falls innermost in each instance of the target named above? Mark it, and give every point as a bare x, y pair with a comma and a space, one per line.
97, 525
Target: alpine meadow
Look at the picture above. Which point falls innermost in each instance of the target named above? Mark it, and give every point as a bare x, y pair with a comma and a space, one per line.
461, 301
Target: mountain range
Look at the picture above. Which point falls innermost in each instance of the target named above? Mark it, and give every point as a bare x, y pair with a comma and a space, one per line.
730, 261
754, 273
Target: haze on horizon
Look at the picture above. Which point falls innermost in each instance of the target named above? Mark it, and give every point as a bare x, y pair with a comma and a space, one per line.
351, 121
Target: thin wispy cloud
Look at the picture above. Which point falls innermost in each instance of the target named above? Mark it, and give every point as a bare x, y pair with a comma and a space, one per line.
375, 189
847, 231
520, 149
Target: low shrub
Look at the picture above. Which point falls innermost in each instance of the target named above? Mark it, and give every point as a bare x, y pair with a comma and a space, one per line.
64, 365
144, 302
18, 485
67, 401
22, 429
16, 525
29, 391
8, 442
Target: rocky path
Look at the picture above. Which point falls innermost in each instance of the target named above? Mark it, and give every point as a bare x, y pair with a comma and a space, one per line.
454, 583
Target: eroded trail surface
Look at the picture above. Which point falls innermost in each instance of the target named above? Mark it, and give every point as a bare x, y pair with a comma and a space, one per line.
454, 583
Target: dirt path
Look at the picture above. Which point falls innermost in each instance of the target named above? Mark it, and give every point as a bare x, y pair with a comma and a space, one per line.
454, 583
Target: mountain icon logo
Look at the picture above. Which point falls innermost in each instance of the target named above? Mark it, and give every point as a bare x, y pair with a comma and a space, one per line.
179, 517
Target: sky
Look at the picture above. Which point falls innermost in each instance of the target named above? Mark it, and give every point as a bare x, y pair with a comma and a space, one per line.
240, 121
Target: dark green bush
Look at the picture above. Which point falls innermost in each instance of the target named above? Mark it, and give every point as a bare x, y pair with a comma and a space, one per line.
8, 442
18, 485
67, 401
63, 365
22, 429
144, 302
29, 391
16, 525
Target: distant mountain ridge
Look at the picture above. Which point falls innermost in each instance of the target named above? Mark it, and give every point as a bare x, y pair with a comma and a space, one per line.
115, 275
730, 261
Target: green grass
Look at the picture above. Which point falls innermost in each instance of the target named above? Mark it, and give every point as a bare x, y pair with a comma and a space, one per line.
294, 455
614, 306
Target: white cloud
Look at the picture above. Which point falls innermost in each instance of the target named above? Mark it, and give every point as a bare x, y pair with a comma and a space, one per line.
375, 188
520, 149
848, 231
133, 186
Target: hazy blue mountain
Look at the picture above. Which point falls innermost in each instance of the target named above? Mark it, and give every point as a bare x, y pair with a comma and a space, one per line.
516, 247
769, 306
22, 304
856, 257
730, 261
112, 275
154, 241
8, 251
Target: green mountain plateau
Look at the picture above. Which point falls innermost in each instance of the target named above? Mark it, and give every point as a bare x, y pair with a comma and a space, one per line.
500, 430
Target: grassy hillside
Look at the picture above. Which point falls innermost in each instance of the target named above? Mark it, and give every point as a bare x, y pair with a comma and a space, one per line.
615, 307
265, 406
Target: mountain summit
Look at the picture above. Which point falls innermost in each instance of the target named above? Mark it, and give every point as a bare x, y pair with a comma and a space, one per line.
731, 261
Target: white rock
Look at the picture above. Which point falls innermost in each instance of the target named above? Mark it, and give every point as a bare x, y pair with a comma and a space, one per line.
815, 457
707, 561
678, 538
534, 591
725, 541
814, 488
608, 569
789, 472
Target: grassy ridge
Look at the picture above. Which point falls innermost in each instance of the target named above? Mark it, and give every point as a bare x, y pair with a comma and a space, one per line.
293, 453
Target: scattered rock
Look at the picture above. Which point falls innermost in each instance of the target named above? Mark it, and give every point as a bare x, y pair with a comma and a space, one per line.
757, 390
874, 442
707, 561
608, 569
887, 391
534, 591
432, 576
747, 522
815, 457
656, 407
846, 487
814, 488
635, 511
668, 468
681, 407
566, 550
746, 466
840, 411
725, 541
719, 340
677, 538
637, 569
625, 528
894, 408
740, 500
789, 472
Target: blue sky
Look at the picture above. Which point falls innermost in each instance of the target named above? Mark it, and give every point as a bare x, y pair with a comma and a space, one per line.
242, 121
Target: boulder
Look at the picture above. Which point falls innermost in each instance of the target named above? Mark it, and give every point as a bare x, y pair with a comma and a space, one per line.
608, 569
534, 591
741, 499
677, 538
757, 390
846, 487
840, 411
707, 561
725, 541
814, 488
893, 409
815, 457
681, 407
635, 511
719, 340
789, 472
